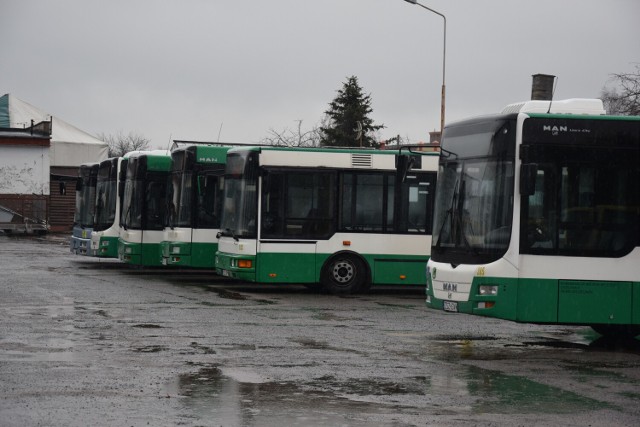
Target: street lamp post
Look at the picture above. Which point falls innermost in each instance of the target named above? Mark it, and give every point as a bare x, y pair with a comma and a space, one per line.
444, 55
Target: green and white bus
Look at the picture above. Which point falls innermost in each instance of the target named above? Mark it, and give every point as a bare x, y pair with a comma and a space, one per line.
195, 206
339, 218
106, 229
143, 207
537, 217
80, 242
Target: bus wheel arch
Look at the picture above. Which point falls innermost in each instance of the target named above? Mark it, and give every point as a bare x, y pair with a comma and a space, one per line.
345, 273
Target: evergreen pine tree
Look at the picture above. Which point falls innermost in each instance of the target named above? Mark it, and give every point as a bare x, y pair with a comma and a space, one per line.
346, 111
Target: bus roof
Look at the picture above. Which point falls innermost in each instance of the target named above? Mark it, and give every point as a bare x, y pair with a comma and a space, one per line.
347, 150
159, 160
592, 107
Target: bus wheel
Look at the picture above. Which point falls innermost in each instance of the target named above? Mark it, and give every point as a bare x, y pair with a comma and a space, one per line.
621, 331
343, 274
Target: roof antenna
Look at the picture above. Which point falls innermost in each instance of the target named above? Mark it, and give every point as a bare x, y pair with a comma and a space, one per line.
555, 83
220, 131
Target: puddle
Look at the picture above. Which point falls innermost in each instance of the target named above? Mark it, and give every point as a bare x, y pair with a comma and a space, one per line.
330, 317
150, 349
244, 398
312, 344
419, 386
201, 348
403, 306
227, 294
147, 326
205, 285
241, 396
508, 394
243, 347
589, 372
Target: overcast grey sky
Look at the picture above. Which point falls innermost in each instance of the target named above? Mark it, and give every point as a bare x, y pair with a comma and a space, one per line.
189, 69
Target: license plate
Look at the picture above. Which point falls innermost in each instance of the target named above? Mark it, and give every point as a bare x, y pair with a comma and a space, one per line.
164, 261
225, 273
451, 306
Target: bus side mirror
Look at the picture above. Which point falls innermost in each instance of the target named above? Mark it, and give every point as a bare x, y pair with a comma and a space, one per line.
78, 184
63, 188
528, 175
404, 163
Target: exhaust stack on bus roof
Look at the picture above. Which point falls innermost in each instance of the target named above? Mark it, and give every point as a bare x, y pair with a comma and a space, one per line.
542, 87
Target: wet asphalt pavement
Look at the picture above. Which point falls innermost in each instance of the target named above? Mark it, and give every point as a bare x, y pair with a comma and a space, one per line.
94, 342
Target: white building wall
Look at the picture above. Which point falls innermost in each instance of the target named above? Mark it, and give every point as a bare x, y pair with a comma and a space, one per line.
24, 170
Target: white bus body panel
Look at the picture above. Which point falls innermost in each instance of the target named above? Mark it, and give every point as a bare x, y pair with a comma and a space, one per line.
241, 247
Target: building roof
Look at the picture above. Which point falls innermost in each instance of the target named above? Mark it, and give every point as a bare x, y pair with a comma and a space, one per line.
70, 146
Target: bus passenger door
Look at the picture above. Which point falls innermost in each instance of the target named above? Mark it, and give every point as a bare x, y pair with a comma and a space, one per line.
297, 210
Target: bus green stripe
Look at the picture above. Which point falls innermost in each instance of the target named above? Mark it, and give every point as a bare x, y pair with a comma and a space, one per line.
306, 268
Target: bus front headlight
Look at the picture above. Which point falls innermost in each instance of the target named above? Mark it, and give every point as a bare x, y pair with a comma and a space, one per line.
488, 290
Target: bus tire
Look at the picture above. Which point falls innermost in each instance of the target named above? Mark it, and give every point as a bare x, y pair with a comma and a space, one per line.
343, 274
621, 331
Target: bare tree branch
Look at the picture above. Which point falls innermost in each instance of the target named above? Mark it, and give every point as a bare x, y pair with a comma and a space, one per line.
293, 138
120, 144
624, 98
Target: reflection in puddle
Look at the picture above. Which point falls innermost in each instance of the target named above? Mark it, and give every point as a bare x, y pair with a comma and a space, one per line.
244, 398
215, 396
513, 394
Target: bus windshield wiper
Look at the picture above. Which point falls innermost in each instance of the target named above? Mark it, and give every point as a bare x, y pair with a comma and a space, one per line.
449, 215
459, 219
228, 233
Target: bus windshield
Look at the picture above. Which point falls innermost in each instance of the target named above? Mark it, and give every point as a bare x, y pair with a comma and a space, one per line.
474, 193
144, 200
106, 192
132, 205
86, 196
241, 200
181, 199
105, 204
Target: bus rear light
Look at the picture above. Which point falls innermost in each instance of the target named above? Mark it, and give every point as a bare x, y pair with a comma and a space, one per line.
488, 290
245, 263
346, 243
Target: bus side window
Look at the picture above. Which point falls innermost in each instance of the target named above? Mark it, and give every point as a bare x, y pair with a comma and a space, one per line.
538, 213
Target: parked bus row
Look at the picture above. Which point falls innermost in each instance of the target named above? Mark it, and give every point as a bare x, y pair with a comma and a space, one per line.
536, 216
337, 218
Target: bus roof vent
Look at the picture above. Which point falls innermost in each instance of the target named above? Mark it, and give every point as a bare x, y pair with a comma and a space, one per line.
361, 160
567, 106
